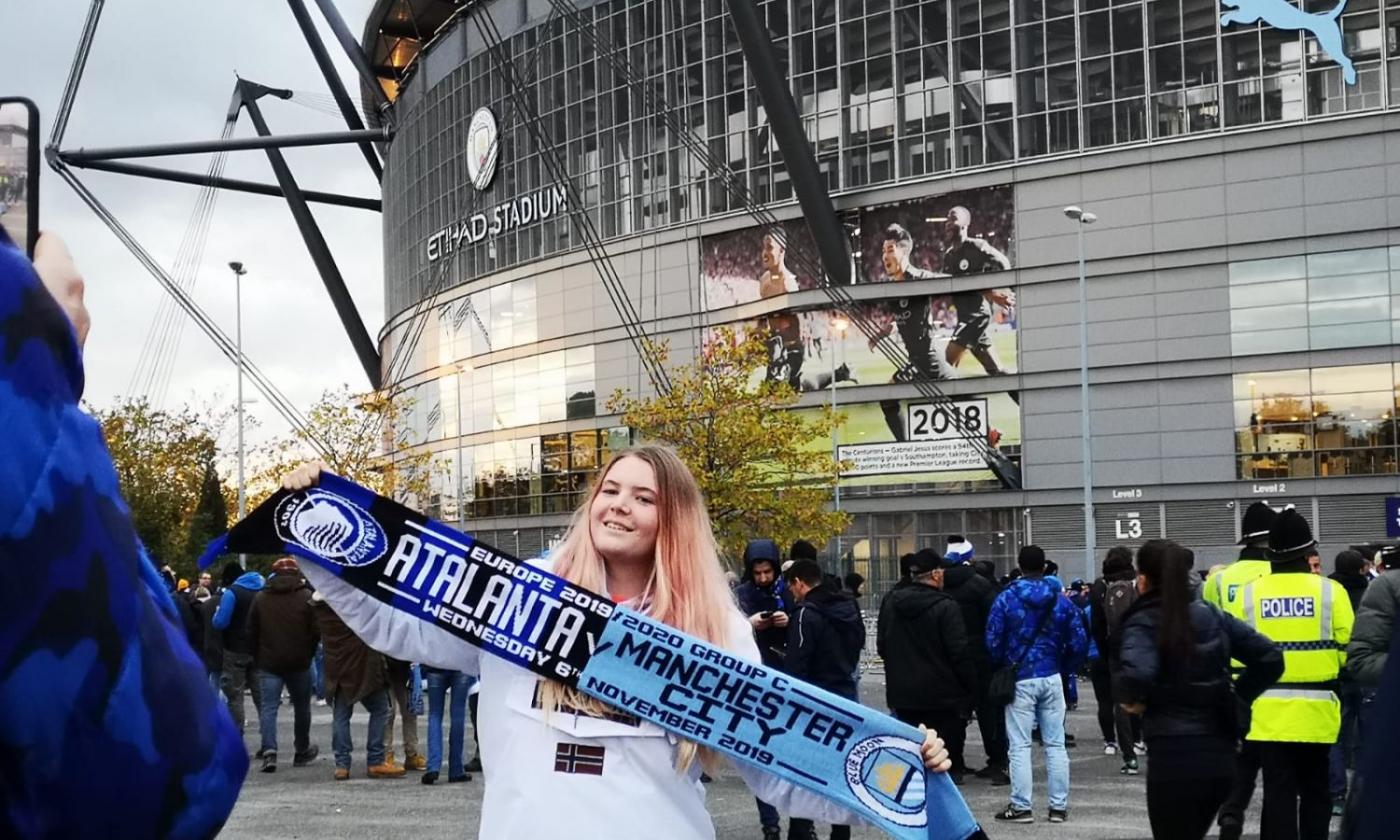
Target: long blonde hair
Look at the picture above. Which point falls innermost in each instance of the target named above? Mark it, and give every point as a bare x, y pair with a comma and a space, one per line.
687, 588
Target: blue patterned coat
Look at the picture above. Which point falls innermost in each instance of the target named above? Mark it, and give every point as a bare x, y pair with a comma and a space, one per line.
107, 721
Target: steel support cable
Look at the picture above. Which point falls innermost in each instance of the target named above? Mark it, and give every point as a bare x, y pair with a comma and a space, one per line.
736, 188
153, 373
415, 325
226, 346
592, 241
164, 331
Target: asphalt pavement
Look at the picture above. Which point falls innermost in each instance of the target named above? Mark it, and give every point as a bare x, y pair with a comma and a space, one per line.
308, 802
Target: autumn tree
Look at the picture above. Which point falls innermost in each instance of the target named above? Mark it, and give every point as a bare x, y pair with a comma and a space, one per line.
361, 437
163, 460
751, 456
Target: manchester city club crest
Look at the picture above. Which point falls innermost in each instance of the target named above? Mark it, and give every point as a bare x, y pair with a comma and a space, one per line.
886, 774
482, 148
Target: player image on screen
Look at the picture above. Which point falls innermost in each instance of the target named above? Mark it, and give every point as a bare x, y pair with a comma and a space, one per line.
964, 255
786, 351
911, 317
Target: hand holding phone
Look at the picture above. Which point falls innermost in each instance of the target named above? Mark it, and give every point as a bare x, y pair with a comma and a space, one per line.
19, 171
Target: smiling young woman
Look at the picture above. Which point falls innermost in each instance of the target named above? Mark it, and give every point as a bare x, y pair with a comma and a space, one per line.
557, 759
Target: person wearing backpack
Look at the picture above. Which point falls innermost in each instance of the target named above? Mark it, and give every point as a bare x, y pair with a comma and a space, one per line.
1117, 565
1119, 594
1035, 634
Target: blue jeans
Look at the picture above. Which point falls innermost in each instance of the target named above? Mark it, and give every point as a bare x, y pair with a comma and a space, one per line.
377, 704
299, 687
318, 672
439, 682
1039, 701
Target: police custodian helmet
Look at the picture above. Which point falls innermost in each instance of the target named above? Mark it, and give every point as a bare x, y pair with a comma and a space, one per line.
1290, 537
1256, 522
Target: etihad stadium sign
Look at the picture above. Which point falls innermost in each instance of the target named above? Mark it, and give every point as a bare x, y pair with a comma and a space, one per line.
505, 217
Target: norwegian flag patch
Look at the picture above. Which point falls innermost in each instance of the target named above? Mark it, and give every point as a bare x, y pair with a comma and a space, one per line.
578, 758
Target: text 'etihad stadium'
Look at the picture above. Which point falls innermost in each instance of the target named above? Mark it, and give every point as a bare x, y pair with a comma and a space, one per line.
503, 218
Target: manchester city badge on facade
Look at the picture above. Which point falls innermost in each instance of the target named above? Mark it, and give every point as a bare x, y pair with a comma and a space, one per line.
331, 526
482, 148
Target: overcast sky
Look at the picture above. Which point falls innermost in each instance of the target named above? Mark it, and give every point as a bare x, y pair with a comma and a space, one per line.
163, 71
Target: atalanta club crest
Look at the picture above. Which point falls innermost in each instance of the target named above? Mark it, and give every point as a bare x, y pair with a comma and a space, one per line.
886, 774
482, 148
332, 527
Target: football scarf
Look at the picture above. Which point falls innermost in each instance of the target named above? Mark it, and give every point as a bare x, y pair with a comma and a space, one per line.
859, 758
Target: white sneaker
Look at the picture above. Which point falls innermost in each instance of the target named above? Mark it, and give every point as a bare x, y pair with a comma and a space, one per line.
1140, 747
1110, 748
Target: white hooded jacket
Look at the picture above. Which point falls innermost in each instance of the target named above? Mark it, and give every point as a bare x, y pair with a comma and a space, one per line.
540, 783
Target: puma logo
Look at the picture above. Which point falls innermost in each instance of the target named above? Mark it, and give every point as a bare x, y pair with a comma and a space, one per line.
1281, 14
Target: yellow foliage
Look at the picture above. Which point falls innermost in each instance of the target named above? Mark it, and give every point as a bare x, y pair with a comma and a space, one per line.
749, 454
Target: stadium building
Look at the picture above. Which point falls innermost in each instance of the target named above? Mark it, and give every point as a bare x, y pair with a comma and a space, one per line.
1244, 271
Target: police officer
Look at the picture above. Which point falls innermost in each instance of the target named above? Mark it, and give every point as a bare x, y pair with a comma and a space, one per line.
1296, 722
1224, 590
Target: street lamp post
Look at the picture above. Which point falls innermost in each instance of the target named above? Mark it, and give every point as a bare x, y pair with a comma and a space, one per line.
1081, 218
238, 272
463, 368
838, 327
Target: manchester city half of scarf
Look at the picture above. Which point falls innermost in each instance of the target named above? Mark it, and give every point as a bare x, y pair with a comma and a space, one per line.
866, 761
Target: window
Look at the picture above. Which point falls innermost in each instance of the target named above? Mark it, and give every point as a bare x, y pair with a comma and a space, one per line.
1318, 302
1320, 422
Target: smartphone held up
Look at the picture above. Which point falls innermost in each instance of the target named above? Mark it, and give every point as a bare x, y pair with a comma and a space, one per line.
19, 171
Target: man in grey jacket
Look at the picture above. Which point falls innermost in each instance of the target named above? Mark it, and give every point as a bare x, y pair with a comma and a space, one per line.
1370, 638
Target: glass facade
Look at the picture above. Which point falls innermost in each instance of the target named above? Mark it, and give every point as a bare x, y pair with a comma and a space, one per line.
1320, 422
888, 91
1315, 302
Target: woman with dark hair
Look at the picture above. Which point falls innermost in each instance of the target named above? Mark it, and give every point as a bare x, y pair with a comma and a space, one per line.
1174, 669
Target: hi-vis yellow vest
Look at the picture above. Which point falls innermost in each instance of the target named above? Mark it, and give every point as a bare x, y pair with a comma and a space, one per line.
1225, 588
1309, 617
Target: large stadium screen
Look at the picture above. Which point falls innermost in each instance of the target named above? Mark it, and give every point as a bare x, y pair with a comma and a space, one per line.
946, 236
917, 441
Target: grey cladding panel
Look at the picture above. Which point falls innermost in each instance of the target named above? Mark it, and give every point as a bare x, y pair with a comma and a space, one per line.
1124, 395
1346, 216
1189, 444
1343, 185
1139, 446
1187, 173
1192, 470
1146, 471
1265, 225
1268, 194
1189, 233
1195, 324
1189, 204
1258, 164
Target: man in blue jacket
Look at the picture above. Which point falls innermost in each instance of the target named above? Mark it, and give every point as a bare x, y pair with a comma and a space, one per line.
107, 723
231, 620
1032, 623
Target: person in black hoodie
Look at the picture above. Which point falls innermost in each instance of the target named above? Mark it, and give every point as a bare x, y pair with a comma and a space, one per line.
930, 677
975, 595
825, 637
1120, 730
764, 598
1174, 669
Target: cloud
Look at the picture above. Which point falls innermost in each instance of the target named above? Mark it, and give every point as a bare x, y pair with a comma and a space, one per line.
163, 71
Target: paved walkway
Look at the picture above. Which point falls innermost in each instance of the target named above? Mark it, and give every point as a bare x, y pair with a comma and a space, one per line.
307, 802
